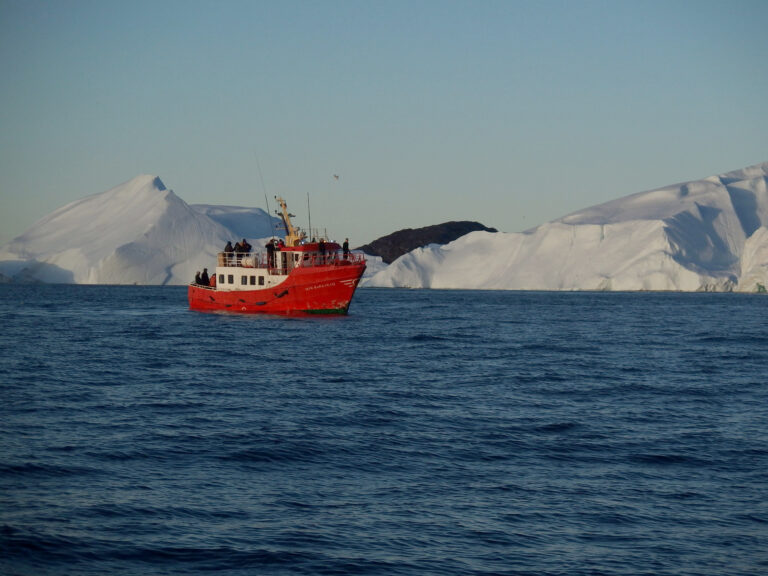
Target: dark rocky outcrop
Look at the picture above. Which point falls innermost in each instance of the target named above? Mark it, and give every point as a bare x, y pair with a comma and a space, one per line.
391, 247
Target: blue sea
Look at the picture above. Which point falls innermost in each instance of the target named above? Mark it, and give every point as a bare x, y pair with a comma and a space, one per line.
427, 432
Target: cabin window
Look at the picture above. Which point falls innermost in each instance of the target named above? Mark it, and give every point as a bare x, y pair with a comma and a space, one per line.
261, 280
221, 278
253, 280
243, 280
230, 278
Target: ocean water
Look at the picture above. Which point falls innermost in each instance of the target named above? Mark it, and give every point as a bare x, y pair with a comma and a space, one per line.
427, 432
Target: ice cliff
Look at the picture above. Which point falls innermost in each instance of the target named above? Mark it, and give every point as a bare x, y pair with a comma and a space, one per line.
136, 233
707, 234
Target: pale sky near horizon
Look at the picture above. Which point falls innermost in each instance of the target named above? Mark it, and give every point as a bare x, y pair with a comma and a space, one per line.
511, 113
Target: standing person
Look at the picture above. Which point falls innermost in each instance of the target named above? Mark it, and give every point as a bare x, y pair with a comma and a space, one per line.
204, 280
238, 253
197, 277
271, 254
321, 249
345, 248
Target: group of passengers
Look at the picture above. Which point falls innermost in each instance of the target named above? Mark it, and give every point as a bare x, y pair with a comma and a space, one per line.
271, 246
203, 279
239, 250
240, 247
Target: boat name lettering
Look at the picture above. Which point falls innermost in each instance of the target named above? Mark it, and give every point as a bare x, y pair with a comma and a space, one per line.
326, 285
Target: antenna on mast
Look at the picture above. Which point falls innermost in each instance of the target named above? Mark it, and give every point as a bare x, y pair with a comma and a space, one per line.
309, 215
266, 201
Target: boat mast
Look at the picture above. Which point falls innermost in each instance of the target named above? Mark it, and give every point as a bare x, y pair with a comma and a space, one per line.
292, 235
264, 189
309, 214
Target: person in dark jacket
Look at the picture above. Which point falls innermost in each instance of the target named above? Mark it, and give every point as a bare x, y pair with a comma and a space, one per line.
228, 250
204, 280
197, 277
271, 253
238, 253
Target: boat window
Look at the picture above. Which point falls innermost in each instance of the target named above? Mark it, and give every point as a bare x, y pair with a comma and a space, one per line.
243, 280
221, 278
230, 279
253, 280
261, 280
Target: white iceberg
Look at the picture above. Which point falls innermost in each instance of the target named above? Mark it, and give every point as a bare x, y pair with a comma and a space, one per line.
708, 234
136, 233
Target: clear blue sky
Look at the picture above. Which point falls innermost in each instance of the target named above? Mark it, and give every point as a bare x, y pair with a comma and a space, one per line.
511, 113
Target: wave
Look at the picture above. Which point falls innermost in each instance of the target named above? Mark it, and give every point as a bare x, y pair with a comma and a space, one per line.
279, 452
428, 338
557, 427
41, 470
669, 459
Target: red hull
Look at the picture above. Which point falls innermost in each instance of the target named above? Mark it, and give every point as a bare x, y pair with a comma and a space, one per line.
306, 290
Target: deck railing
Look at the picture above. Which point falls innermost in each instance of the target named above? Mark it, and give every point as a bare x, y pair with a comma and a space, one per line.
306, 259
242, 260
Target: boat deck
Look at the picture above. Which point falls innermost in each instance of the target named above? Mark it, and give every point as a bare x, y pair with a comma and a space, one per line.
283, 261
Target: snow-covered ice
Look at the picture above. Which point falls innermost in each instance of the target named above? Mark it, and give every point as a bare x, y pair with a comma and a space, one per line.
708, 234
136, 233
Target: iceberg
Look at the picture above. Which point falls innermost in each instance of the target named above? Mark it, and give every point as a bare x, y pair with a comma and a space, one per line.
704, 235
709, 234
139, 232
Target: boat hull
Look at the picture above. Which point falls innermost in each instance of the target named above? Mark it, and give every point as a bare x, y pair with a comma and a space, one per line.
310, 290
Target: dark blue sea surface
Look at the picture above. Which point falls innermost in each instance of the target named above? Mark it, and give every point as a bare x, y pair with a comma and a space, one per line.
427, 432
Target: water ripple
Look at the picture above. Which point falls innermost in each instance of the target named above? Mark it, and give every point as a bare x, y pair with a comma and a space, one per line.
428, 432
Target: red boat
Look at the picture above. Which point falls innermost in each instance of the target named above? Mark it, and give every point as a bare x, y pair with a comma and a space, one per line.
291, 276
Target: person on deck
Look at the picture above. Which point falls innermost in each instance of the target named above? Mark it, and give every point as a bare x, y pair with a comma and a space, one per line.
204, 280
197, 277
271, 253
345, 247
321, 249
238, 253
